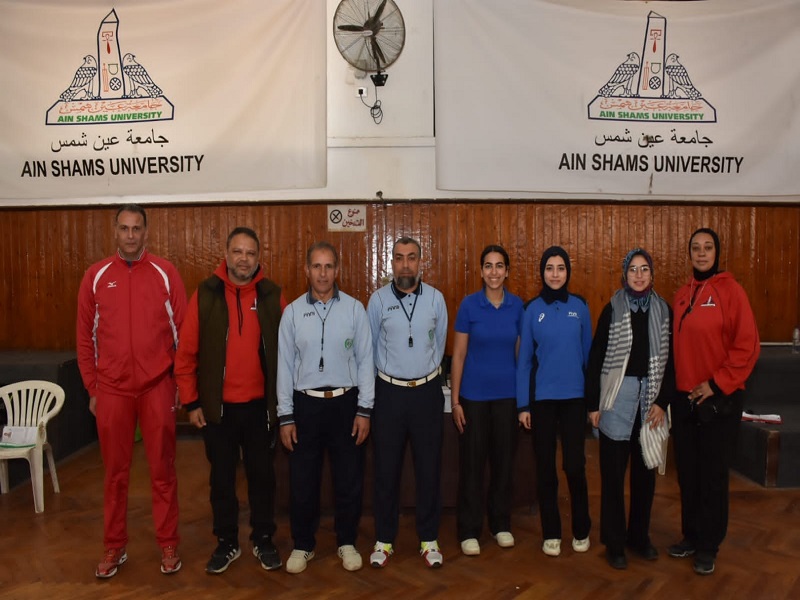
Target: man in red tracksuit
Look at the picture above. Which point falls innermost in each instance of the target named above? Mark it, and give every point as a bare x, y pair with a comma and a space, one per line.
226, 370
130, 307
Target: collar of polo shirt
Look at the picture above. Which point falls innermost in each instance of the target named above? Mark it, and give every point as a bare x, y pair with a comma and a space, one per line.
310, 296
400, 295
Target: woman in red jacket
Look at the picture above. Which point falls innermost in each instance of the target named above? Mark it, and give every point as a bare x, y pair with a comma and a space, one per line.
716, 345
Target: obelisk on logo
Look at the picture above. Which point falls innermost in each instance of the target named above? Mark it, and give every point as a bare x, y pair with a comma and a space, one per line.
651, 73
109, 58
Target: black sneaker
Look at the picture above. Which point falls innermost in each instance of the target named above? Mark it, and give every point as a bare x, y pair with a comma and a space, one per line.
647, 552
266, 552
616, 560
223, 556
703, 564
682, 549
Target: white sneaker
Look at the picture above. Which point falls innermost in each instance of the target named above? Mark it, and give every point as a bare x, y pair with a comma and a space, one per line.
552, 547
504, 539
380, 554
431, 553
580, 545
298, 561
351, 559
471, 547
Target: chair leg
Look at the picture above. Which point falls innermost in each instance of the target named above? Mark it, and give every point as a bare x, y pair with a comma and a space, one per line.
51, 463
37, 475
3, 476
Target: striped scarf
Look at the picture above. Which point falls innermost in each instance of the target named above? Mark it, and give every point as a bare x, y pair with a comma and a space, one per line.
620, 339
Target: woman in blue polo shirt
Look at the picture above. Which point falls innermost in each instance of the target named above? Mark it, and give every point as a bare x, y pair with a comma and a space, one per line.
483, 399
554, 348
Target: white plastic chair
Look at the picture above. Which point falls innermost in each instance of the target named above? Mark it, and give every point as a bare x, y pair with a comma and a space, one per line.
31, 404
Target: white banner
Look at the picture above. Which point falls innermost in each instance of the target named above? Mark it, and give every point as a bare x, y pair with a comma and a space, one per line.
599, 97
153, 99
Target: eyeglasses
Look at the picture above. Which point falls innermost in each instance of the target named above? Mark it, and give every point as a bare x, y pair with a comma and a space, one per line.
644, 270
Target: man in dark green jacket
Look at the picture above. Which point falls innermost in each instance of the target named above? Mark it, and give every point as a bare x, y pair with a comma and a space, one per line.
226, 369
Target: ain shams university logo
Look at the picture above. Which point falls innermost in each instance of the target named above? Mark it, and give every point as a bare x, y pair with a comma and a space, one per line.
110, 87
655, 87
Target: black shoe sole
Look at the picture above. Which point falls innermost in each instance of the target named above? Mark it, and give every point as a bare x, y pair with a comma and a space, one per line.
681, 550
617, 562
702, 571
272, 566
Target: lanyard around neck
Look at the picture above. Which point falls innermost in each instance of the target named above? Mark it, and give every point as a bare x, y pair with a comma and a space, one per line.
409, 317
322, 338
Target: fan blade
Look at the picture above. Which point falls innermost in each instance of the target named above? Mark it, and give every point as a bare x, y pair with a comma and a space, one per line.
351, 27
373, 22
380, 10
377, 53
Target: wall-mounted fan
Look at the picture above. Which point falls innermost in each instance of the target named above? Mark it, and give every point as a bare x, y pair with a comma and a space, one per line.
369, 34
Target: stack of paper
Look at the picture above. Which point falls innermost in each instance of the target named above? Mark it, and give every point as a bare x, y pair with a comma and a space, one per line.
749, 416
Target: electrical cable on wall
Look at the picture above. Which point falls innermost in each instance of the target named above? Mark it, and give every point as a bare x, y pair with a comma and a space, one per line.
370, 35
375, 110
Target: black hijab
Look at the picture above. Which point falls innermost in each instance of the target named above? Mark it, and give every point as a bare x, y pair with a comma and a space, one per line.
548, 294
715, 267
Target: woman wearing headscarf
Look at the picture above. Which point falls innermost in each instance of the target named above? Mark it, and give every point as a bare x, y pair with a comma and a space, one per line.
629, 383
484, 402
716, 347
554, 348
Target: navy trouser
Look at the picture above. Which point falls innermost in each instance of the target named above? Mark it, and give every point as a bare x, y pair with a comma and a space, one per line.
244, 430
325, 423
704, 451
490, 434
416, 414
567, 419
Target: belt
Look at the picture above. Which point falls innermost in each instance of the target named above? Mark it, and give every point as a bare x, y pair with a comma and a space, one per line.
409, 382
334, 393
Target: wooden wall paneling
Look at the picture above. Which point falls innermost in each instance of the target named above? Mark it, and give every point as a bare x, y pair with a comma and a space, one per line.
513, 243
50, 277
760, 275
23, 266
382, 252
459, 229
523, 263
789, 260
6, 273
373, 247
9, 273
777, 252
433, 250
506, 237
44, 252
31, 270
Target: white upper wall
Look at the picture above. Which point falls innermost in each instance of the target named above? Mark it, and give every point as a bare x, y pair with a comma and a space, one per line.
397, 156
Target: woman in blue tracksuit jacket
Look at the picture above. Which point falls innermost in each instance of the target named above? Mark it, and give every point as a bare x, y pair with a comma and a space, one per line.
554, 349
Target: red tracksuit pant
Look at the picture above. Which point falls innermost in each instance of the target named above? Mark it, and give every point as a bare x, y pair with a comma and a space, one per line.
117, 416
